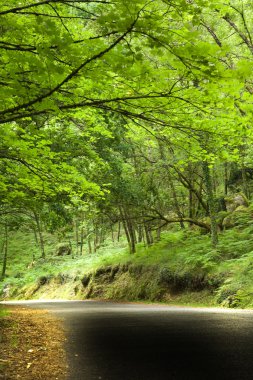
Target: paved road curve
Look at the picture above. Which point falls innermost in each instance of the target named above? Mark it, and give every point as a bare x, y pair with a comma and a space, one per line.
109, 341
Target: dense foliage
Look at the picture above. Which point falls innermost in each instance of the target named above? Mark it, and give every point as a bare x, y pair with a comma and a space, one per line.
124, 116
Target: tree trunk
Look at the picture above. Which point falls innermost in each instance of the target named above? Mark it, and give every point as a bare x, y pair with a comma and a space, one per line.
5, 251
175, 200
81, 241
112, 233
211, 204
149, 237
89, 245
101, 235
41, 239
71, 250
36, 237
76, 232
36, 241
191, 204
245, 186
128, 227
132, 237
95, 240
188, 184
119, 231
140, 234
158, 233
226, 178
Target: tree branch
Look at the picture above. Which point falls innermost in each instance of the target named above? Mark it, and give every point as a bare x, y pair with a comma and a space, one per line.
238, 31
45, 2
213, 34
71, 75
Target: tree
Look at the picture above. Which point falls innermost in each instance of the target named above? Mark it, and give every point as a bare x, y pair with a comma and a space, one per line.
161, 80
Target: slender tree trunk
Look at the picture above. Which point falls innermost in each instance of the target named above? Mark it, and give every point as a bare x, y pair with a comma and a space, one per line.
95, 245
197, 194
130, 235
35, 236
140, 234
41, 239
191, 204
122, 216
95, 240
5, 251
36, 241
101, 235
158, 233
81, 241
191, 197
119, 231
131, 232
71, 250
89, 245
76, 235
198, 206
175, 200
112, 233
4, 261
245, 186
226, 178
211, 204
149, 237
171, 184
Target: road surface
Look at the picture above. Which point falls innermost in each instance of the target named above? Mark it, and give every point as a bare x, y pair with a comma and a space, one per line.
107, 341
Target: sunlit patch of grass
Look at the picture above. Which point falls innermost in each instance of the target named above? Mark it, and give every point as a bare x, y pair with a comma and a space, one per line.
3, 312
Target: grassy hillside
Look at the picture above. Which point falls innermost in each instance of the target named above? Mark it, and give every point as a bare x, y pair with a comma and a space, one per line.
182, 268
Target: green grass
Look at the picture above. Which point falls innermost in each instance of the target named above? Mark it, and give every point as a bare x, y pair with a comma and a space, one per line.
3, 312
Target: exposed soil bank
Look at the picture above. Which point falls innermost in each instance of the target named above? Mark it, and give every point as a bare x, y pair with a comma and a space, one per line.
126, 282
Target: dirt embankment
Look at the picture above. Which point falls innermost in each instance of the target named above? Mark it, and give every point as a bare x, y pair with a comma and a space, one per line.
125, 282
145, 283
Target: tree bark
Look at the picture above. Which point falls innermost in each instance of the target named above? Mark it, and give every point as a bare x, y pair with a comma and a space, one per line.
158, 232
129, 231
225, 178
5, 251
112, 233
245, 186
81, 241
96, 239
190, 186
89, 245
41, 239
140, 233
119, 231
175, 201
211, 204
76, 235
149, 237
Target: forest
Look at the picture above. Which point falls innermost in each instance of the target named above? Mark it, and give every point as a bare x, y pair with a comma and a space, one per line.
128, 122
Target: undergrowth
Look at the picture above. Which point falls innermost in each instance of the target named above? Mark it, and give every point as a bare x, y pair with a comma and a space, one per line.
184, 254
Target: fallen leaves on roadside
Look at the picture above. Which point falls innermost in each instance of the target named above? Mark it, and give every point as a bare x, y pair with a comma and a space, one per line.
32, 346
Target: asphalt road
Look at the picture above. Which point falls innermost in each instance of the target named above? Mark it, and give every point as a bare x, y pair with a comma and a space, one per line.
109, 341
